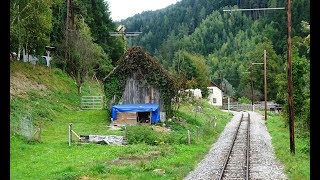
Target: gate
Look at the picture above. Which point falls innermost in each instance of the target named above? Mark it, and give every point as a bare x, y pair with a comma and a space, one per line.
92, 102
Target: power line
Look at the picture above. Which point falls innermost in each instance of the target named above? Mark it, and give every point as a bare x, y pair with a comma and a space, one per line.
121, 32
254, 9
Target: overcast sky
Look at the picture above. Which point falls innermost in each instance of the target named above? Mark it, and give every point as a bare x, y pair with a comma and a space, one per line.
121, 9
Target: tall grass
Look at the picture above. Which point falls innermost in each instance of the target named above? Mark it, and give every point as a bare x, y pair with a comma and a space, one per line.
297, 165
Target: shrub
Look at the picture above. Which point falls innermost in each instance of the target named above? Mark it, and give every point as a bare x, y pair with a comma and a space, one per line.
244, 100
141, 134
175, 138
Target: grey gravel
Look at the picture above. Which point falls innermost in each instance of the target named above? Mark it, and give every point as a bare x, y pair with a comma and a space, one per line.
263, 164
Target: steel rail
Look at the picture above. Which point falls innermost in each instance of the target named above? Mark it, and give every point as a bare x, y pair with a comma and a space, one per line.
230, 150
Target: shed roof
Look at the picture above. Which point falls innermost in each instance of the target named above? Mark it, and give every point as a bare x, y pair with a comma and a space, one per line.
212, 84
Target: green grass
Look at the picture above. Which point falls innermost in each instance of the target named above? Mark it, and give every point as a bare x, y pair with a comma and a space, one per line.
52, 158
297, 166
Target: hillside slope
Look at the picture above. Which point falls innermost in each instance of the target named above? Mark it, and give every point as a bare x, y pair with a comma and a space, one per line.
44, 93
46, 98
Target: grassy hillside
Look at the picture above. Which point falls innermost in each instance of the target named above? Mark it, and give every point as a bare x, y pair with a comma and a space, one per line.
297, 166
50, 99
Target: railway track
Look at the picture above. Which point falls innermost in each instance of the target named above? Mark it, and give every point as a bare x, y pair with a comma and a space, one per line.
237, 162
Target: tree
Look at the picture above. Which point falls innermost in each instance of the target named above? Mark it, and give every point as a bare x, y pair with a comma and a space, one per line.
85, 56
95, 13
191, 69
30, 25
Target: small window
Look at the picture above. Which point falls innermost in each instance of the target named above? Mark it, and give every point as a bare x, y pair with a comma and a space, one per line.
210, 91
214, 100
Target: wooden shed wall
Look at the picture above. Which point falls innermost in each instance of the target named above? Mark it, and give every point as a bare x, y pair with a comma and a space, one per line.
137, 91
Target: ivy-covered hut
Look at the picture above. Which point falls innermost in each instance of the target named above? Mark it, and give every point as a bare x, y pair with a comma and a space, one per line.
140, 79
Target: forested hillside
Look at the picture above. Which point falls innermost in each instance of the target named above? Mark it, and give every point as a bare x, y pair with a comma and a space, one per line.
228, 43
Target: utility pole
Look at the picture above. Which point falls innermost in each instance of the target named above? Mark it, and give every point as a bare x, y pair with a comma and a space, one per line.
290, 97
121, 32
221, 79
251, 86
69, 26
265, 84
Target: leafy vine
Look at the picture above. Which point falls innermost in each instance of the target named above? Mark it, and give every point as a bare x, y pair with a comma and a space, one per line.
138, 60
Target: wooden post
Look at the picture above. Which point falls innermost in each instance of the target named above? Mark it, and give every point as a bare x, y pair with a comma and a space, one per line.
152, 98
251, 86
70, 134
39, 134
265, 85
228, 104
214, 121
290, 96
188, 136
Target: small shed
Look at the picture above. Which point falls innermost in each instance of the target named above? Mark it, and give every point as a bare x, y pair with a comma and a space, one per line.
215, 94
139, 80
138, 113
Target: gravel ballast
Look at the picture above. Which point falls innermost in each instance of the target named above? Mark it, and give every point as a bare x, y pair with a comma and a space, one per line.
263, 164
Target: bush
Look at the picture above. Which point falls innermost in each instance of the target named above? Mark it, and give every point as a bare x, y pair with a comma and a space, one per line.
141, 134
145, 134
244, 100
175, 138
173, 125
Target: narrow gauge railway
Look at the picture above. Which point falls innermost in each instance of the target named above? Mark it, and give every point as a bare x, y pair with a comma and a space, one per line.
237, 162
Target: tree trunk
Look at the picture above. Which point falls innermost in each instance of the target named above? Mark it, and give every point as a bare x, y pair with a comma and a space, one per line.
27, 53
19, 51
78, 81
79, 88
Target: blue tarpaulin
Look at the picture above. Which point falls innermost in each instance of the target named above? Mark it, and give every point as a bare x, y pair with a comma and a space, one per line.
153, 108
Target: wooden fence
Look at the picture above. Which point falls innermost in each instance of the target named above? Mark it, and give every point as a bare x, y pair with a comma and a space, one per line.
236, 106
92, 102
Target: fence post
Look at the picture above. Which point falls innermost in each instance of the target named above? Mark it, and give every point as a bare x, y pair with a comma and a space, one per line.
70, 133
228, 104
126, 131
39, 135
197, 132
188, 136
214, 121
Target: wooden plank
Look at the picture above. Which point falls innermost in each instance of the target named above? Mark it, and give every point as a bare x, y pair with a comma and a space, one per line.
92, 102
126, 118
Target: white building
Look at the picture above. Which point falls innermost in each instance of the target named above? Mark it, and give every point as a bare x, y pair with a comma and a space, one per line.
195, 93
35, 60
215, 95
29, 58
